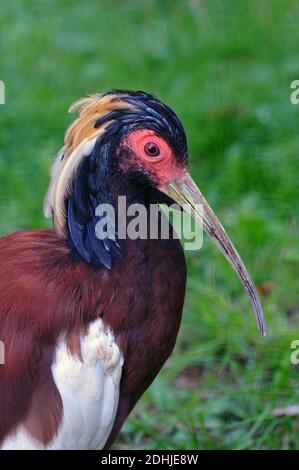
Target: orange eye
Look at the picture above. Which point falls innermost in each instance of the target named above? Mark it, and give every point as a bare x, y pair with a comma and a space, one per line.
152, 149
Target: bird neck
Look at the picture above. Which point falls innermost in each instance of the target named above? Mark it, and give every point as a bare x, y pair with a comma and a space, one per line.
93, 210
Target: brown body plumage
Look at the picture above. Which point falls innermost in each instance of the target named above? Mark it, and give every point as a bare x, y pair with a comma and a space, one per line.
44, 293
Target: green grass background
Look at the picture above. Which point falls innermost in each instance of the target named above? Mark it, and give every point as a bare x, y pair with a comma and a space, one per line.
225, 67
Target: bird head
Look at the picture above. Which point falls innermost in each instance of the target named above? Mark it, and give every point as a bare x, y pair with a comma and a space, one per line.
134, 138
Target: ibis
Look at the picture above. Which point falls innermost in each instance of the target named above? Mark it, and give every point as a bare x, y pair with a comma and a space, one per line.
87, 322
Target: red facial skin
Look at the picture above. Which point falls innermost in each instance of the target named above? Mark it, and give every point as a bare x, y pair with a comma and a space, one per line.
164, 166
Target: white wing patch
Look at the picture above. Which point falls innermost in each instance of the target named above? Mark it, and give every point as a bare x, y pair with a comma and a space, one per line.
89, 392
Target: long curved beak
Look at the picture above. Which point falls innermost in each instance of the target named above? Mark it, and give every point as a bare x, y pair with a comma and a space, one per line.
184, 192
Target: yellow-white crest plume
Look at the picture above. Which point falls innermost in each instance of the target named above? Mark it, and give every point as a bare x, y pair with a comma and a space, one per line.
79, 142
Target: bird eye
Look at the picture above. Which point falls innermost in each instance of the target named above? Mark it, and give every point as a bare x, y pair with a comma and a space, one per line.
152, 149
